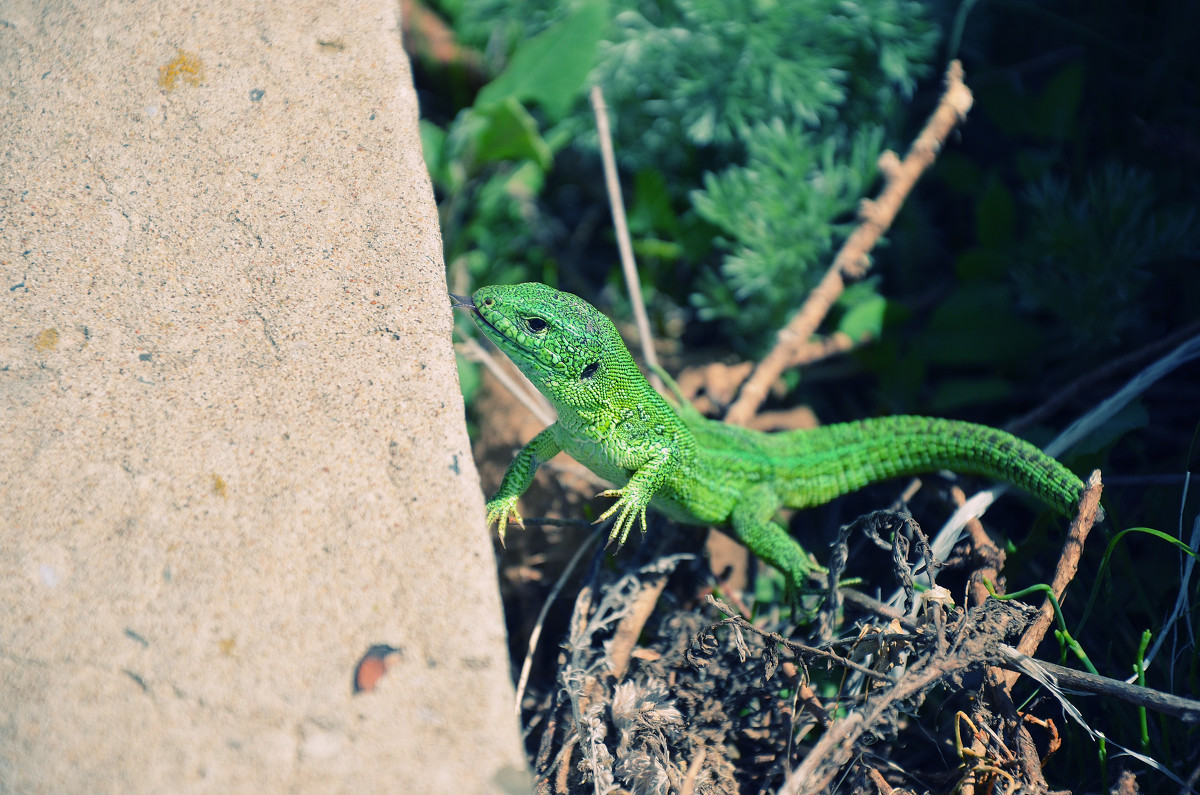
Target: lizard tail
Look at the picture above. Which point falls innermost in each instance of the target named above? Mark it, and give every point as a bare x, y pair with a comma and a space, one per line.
838, 459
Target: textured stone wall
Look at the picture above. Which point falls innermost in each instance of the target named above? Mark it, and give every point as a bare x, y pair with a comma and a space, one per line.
232, 448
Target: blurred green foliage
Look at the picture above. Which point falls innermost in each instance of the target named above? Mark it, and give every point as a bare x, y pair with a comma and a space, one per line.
747, 132
750, 129
1090, 252
1056, 231
780, 216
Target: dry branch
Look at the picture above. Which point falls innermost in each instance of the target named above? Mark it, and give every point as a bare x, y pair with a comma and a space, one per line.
1068, 564
985, 549
630, 627
517, 385
853, 261
624, 246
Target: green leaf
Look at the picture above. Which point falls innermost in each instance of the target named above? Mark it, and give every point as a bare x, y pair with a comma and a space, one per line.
526, 182
651, 210
550, 68
1057, 108
432, 140
653, 248
976, 325
508, 132
953, 394
865, 318
995, 215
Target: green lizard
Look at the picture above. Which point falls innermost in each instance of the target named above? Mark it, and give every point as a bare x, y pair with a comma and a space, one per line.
703, 472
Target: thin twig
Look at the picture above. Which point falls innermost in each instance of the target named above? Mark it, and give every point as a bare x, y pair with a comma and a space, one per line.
853, 260
840, 742
1025, 751
816, 350
985, 548
564, 765
1068, 564
874, 605
693, 773
1100, 374
613, 185
1186, 709
536, 635
993, 562
881, 785
527, 395
799, 649
543, 755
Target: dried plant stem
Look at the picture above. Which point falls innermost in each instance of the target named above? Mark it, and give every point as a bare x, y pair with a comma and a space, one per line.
564, 766
624, 245
630, 627
853, 261
1176, 706
1185, 709
1068, 564
840, 742
801, 650
1025, 751
989, 571
881, 785
693, 773
985, 548
517, 386
536, 635
816, 350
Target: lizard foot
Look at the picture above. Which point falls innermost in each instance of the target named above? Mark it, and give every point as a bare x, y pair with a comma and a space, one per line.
503, 510
632, 512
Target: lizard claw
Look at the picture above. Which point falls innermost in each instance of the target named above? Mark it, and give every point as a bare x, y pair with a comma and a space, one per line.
502, 511
612, 538
630, 512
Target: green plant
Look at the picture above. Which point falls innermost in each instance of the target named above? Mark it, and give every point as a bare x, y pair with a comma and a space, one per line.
757, 122
1091, 250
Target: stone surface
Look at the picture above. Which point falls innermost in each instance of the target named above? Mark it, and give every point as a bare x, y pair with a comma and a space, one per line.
232, 448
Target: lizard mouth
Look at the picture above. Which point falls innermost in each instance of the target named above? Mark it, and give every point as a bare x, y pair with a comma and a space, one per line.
464, 302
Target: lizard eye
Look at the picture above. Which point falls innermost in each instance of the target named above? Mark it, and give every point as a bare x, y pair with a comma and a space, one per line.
536, 325
589, 371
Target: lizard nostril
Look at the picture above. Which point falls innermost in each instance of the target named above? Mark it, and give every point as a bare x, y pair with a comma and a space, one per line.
489, 301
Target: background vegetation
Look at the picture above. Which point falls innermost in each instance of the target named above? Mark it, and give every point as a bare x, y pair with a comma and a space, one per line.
1056, 234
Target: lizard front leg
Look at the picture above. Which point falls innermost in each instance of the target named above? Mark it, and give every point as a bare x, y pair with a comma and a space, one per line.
754, 526
502, 507
634, 497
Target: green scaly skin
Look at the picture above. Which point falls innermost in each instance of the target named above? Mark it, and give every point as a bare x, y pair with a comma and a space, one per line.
703, 472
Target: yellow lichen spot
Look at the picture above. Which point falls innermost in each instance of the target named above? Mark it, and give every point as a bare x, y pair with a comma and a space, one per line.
184, 66
226, 646
46, 340
218, 486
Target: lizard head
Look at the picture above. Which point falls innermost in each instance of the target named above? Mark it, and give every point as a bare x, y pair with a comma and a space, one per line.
563, 344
